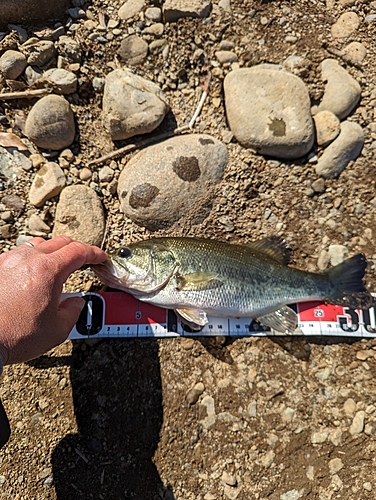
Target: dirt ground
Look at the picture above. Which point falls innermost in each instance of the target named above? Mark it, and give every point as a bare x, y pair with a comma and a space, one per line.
293, 418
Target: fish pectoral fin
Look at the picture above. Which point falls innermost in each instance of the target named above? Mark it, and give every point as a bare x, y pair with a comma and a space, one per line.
198, 281
195, 316
284, 320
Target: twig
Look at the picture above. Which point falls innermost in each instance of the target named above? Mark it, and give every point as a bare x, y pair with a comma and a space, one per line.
162, 137
201, 103
27, 94
81, 455
141, 144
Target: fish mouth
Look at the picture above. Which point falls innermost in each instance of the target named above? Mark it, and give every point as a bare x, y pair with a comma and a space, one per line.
110, 275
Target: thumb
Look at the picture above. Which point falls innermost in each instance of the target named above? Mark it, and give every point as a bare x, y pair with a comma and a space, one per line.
69, 312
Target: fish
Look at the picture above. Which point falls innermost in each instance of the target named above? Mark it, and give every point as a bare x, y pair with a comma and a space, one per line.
197, 277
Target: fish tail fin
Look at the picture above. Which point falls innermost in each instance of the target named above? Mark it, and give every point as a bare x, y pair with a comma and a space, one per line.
347, 286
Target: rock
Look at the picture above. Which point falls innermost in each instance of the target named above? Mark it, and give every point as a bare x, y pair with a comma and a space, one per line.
340, 152
327, 127
346, 24
337, 253
157, 46
130, 9
65, 82
296, 64
12, 64
165, 181
40, 53
79, 214
208, 411
342, 91
32, 74
50, 123
335, 465
318, 186
132, 105
226, 56
85, 174
133, 50
292, 495
37, 227
323, 260
47, 183
229, 479
153, 14
28, 11
268, 109
176, 9
194, 393
98, 84
13, 202
155, 29
319, 437
225, 5
364, 354
357, 425
106, 174
356, 51
252, 409
69, 49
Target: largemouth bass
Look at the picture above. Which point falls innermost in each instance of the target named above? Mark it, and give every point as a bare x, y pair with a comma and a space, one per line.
199, 276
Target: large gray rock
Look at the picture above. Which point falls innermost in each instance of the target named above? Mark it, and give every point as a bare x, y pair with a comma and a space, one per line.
171, 180
47, 183
342, 91
18, 11
340, 152
64, 82
175, 9
131, 105
79, 214
50, 123
268, 109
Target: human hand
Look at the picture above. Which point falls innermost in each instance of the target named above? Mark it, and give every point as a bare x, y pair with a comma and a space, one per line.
32, 318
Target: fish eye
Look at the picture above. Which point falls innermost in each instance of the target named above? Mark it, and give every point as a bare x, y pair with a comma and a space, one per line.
125, 252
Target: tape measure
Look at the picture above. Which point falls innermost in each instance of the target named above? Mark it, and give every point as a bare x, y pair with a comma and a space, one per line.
120, 315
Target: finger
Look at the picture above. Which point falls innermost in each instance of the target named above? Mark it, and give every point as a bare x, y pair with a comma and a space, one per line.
75, 255
49, 246
68, 314
34, 241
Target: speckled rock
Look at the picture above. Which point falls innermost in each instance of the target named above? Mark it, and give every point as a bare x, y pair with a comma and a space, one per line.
176, 9
166, 181
12, 64
346, 147
79, 214
47, 183
356, 51
50, 123
342, 91
131, 105
269, 110
346, 24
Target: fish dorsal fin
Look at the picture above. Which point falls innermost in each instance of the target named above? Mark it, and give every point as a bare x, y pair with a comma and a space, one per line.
273, 247
284, 320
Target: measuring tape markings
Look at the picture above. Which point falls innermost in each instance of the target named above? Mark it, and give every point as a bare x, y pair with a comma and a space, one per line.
118, 314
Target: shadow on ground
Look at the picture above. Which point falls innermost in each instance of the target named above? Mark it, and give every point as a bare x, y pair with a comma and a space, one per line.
118, 405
